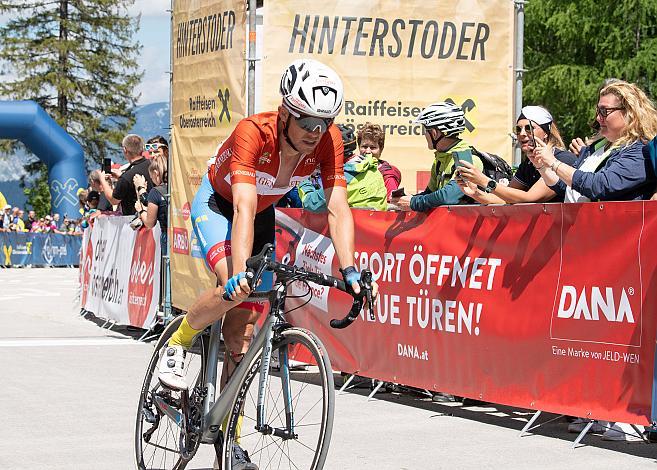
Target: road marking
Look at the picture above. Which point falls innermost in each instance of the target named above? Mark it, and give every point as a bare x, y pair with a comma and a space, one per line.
55, 342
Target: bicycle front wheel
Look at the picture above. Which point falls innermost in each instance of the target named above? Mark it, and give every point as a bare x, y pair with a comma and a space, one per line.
298, 401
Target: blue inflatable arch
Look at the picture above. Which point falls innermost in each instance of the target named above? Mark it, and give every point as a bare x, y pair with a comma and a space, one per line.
28, 122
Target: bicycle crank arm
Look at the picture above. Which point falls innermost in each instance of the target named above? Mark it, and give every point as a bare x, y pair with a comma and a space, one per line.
165, 408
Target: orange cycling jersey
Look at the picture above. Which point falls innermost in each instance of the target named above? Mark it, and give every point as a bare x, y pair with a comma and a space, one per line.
251, 155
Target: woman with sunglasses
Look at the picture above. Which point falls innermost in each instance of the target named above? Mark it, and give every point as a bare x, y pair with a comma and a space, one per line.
157, 146
618, 170
534, 122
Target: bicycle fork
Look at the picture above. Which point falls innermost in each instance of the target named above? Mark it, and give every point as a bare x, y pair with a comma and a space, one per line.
262, 426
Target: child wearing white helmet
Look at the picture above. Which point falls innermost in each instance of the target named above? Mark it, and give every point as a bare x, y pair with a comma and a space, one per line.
443, 123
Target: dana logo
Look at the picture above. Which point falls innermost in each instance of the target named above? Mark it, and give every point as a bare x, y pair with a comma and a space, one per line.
186, 210
594, 314
596, 304
180, 241
599, 299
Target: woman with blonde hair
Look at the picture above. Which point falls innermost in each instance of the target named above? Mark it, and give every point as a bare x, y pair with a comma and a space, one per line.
618, 170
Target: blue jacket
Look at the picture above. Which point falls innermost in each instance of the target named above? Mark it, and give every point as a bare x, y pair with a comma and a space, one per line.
626, 175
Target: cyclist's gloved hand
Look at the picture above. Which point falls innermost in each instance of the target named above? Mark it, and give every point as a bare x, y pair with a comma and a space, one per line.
234, 284
351, 278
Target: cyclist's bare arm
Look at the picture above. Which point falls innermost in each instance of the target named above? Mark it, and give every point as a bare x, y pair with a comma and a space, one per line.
245, 199
341, 226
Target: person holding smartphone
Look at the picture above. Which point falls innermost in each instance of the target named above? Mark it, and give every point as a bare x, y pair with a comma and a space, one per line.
443, 123
94, 181
124, 192
534, 122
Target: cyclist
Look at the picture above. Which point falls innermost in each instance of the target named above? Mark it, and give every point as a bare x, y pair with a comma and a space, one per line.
233, 212
443, 123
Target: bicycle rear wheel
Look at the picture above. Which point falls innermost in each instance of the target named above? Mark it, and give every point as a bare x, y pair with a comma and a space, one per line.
297, 426
165, 436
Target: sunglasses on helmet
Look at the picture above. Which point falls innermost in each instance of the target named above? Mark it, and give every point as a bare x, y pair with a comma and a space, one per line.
313, 124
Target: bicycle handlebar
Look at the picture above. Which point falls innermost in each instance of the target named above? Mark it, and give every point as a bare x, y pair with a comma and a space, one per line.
261, 262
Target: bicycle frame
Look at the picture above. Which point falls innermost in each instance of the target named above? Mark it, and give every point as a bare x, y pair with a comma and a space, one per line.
215, 412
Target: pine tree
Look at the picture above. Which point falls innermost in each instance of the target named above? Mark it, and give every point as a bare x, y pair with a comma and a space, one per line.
571, 47
77, 59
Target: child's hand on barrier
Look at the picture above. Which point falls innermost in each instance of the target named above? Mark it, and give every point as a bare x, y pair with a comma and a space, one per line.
403, 202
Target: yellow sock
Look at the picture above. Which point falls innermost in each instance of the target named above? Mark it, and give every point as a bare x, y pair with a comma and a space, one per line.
184, 335
238, 434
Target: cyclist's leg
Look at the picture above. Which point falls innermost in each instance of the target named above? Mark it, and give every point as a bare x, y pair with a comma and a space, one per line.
238, 325
213, 232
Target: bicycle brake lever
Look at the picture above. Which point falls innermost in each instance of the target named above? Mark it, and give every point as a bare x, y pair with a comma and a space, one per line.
366, 284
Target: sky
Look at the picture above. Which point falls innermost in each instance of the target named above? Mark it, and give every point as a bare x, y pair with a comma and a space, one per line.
155, 37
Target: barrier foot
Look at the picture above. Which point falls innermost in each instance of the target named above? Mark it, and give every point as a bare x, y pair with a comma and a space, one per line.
643, 437
529, 423
146, 333
582, 434
346, 384
106, 322
111, 325
376, 389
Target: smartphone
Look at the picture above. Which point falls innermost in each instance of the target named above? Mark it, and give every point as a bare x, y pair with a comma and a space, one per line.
532, 138
399, 192
107, 165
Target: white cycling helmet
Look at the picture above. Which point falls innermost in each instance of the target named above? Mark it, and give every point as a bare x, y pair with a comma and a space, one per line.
311, 88
446, 117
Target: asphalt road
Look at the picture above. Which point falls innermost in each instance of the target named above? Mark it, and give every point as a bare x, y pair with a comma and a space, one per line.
70, 391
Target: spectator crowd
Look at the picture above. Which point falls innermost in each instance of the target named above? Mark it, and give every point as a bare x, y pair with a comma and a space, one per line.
13, 220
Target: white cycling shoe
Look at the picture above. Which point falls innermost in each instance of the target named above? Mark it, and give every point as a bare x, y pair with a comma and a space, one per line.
172, 364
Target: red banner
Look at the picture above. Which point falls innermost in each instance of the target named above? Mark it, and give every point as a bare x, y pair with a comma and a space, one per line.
541, 306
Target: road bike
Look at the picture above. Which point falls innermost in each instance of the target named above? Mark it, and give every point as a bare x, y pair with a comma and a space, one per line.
279, 403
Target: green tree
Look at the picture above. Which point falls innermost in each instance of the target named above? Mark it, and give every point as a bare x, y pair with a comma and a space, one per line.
77, 59
37, 190
571, 47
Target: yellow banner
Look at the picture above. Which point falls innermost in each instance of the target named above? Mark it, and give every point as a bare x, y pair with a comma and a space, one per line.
209, 42
397, 57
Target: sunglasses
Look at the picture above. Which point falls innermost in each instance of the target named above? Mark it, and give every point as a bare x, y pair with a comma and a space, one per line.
604, 112
313, 124
153, 147
528, 128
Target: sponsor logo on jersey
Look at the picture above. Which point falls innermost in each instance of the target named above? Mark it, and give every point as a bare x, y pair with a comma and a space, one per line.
265, 158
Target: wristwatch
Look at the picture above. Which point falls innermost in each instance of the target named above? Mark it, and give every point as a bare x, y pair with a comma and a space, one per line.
490, 186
